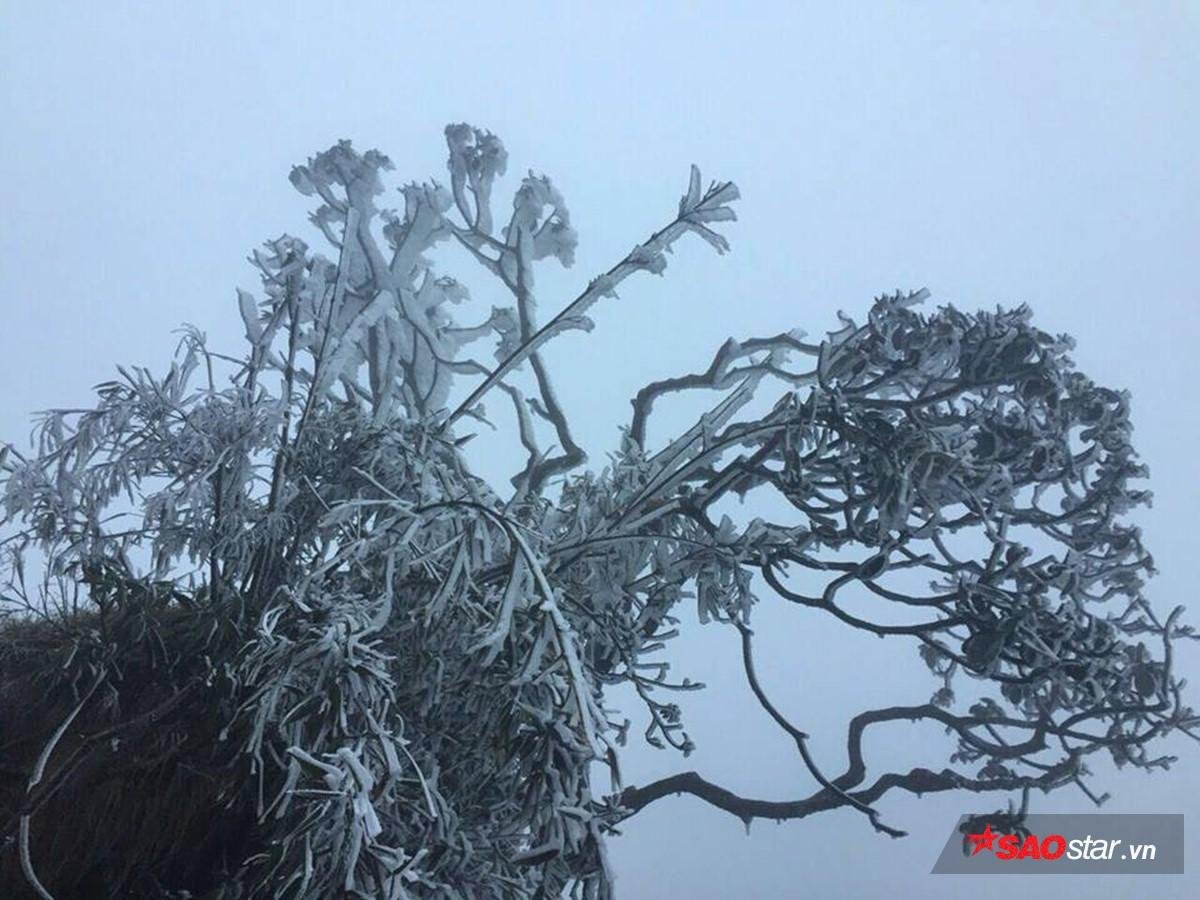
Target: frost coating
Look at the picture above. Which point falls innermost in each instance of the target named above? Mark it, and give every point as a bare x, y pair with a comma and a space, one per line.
395, 672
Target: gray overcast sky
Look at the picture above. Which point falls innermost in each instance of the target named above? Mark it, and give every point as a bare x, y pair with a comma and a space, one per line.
995, 153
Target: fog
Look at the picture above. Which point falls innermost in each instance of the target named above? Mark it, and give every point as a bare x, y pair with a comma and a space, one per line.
1012, 153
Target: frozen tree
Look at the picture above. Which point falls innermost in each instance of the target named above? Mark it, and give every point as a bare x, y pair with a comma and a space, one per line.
268, 636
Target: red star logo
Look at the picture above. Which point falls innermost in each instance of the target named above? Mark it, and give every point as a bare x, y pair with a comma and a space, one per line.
983, 841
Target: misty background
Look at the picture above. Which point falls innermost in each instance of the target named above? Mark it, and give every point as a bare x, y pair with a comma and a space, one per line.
1038, 153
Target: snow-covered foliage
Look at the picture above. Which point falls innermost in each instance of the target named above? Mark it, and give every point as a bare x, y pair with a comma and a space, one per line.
403, 668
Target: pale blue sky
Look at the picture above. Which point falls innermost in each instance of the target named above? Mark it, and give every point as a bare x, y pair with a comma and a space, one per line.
995, 153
